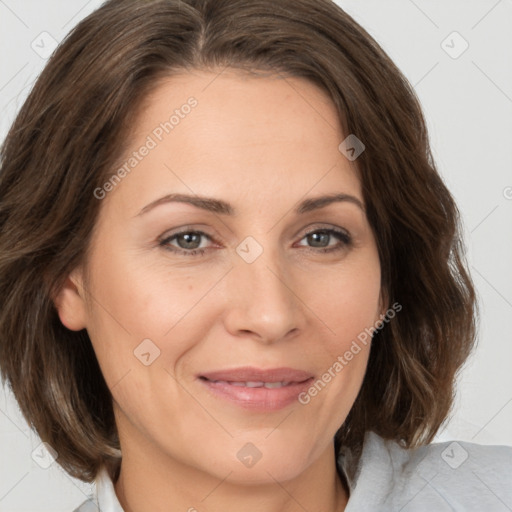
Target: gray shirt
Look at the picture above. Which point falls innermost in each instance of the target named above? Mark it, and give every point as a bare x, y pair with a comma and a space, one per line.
451, 476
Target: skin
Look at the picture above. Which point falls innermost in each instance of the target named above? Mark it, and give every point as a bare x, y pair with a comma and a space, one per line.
262, 144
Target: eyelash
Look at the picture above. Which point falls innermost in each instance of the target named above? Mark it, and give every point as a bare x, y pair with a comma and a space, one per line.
346, 241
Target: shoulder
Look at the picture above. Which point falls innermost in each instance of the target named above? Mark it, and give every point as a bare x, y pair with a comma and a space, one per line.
442, 476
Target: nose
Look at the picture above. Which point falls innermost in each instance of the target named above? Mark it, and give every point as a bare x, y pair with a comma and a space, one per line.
261, 300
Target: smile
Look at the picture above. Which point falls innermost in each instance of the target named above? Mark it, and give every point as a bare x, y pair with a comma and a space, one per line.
249, 384
256, 389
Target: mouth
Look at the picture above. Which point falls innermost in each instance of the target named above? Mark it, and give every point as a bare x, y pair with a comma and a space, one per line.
257, 389
253, 384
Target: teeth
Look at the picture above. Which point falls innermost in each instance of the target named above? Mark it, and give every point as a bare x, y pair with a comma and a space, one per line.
272, 385
255, 384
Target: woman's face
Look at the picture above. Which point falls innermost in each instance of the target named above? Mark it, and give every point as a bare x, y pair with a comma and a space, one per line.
199, 309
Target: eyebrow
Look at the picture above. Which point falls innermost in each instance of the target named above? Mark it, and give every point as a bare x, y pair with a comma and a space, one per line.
219, 206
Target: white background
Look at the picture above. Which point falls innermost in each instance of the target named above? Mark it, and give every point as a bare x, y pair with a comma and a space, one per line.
468, 105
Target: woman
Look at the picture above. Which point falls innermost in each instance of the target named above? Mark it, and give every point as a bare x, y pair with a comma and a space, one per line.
231, 274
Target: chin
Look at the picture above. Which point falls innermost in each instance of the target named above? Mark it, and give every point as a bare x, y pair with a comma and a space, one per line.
250, 465
266, 473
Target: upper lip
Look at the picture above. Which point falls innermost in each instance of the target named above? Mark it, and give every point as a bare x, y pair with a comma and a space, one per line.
251, 374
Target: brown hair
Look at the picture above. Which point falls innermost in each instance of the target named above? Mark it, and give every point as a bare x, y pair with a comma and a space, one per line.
73, 127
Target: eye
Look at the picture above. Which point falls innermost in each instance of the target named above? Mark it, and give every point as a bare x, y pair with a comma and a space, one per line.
321, 238
189, 243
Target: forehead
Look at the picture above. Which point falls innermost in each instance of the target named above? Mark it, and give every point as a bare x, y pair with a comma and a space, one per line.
230, 99
230, 133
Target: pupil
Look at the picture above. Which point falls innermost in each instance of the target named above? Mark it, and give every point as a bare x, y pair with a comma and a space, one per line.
319, 239
191, 240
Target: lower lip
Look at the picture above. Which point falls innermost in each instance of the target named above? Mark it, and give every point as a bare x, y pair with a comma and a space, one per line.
258, 399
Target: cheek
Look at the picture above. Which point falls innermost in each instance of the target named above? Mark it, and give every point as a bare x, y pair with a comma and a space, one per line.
354, 310
133, 301
348, 306
345, 300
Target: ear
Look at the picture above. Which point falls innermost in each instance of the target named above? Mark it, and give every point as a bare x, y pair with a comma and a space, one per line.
70, 303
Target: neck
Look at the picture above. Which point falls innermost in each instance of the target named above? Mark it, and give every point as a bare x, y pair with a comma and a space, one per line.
150, 480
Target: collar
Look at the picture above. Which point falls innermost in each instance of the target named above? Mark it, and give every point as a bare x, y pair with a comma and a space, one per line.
106, 494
